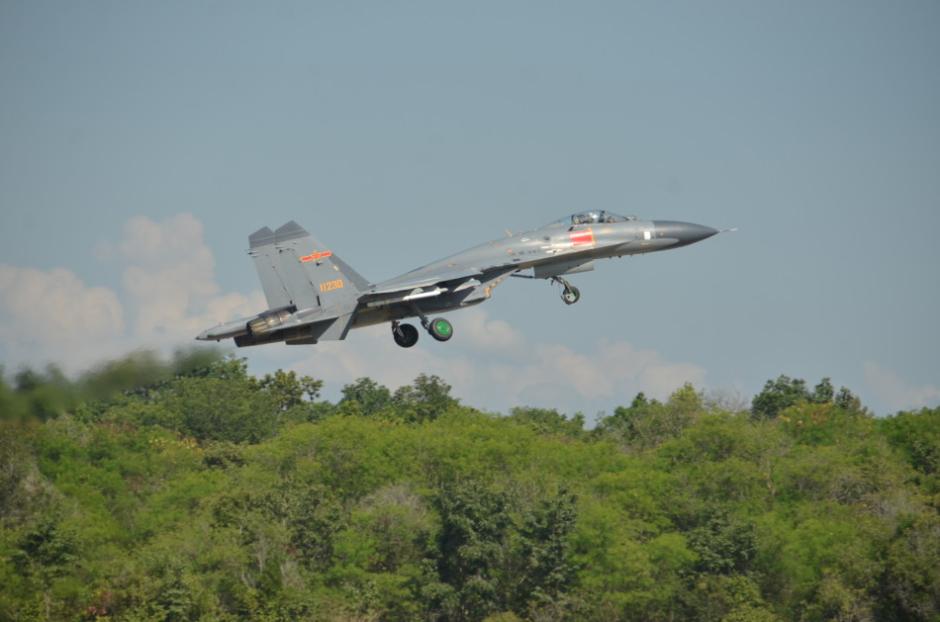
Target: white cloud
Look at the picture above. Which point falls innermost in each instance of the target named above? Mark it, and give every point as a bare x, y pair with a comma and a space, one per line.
487, 335
896, 393
56, 315
169, 295
169, 275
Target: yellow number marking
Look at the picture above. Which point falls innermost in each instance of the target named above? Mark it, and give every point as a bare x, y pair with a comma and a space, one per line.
328, 286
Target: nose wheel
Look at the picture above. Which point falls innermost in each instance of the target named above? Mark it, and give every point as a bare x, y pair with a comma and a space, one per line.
570, 294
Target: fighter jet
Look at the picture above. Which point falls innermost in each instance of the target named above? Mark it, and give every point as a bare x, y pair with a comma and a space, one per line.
314, 296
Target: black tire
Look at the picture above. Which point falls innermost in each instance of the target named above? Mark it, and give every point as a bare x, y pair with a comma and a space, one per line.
571, 295
441, 329
405, 335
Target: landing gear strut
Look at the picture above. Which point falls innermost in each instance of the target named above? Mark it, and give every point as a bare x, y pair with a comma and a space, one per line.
570, 294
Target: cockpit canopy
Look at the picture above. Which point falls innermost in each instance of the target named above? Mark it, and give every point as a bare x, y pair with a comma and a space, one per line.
592, 217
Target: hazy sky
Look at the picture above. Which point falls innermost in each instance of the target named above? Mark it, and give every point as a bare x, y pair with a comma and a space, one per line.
141, 142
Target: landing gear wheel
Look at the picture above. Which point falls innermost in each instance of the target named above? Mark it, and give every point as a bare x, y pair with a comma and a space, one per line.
405, 335
440, 329
571, 295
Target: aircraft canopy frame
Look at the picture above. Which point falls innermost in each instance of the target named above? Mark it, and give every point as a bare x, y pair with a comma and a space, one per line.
592, 217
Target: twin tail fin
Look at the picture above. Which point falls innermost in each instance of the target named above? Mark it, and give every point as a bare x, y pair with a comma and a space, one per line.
298, 271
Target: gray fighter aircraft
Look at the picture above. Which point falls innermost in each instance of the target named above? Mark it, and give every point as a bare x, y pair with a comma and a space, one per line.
313, 295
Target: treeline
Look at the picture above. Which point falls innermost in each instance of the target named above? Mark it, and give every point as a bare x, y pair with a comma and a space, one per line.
48, 393
191, 490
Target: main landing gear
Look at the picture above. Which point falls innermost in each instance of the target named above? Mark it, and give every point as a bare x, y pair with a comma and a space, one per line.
406, 335
570, 294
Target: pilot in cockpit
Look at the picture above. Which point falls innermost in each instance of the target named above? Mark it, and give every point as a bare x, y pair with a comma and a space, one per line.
592, 217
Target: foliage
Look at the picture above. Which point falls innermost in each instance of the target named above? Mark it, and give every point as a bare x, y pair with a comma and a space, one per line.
48, 394
191, 490
647, 423
917, 435
548, 421
370, 397
426, 399
785, 392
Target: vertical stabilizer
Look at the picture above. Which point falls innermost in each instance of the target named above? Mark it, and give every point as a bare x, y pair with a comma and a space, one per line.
262, 251
295, 269
313, 274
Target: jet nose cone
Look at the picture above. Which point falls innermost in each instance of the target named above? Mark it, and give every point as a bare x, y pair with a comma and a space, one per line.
683, 232
696, 233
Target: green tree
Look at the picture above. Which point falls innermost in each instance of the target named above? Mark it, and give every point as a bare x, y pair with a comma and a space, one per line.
823, 392
847, 400
155, 489
11, 406
913, 574
314, 522
45, 548
784, 392
223, 406
16, 465
917, 435
777, 395
144, 369
287, 390
547, 572
724, 545
371, 397
45, 395
548, 420
471, 547
647, 423
401, 526
424, 400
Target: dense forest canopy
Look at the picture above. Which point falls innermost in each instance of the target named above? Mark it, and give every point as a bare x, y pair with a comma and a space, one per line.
190, 490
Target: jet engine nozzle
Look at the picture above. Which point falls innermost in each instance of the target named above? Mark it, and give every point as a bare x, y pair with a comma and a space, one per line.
269, 321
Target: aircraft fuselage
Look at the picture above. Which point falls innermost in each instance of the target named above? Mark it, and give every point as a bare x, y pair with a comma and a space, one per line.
562, 247
313, 295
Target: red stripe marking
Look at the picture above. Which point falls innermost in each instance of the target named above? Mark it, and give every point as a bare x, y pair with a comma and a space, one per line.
579, 238
314, 256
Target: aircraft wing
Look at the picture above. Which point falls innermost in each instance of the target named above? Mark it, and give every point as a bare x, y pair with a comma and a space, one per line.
427, 284
420, 280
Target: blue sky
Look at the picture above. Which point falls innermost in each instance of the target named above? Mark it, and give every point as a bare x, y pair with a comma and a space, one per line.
142, 142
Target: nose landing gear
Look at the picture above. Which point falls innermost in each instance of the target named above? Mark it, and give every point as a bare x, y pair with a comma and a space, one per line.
570, 294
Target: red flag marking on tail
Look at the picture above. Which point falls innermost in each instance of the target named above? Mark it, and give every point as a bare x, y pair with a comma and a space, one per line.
315, 256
